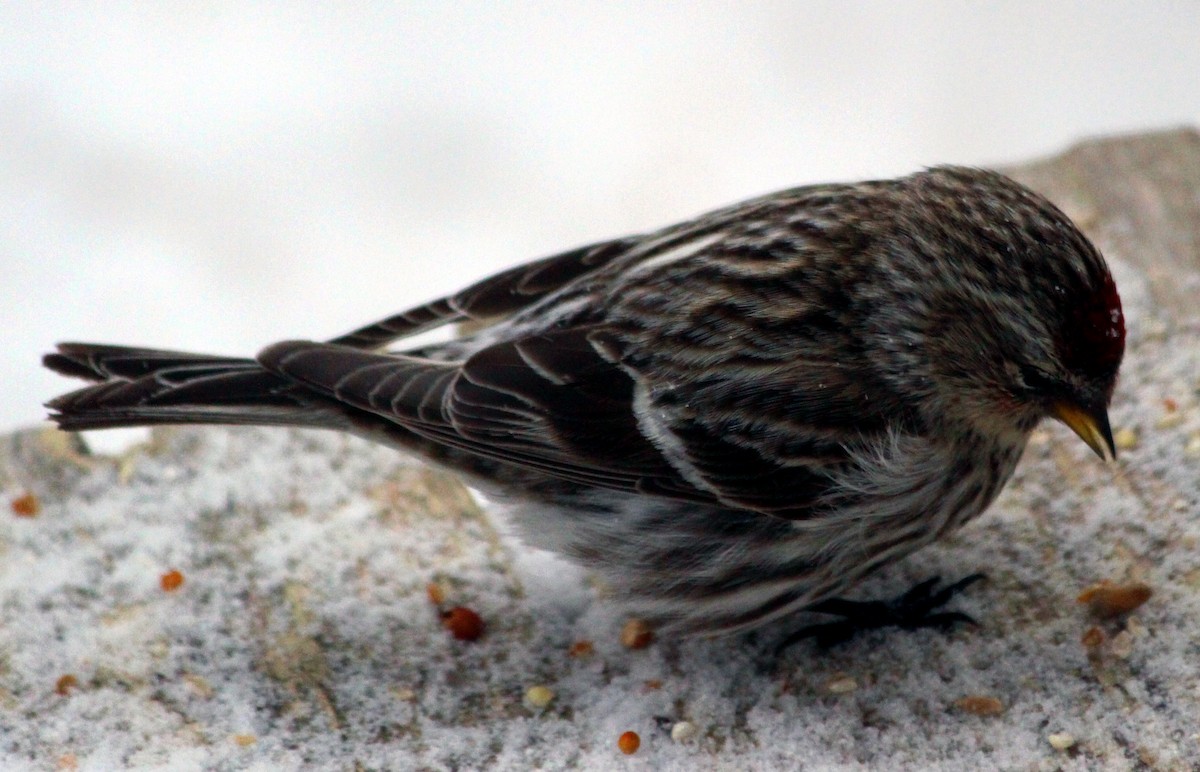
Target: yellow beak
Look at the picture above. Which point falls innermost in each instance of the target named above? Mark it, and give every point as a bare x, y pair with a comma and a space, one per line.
1091, 426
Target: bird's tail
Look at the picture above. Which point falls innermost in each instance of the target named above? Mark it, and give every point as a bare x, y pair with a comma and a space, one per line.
142, 387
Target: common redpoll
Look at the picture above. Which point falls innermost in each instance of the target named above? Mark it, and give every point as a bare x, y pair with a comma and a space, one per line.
731, 419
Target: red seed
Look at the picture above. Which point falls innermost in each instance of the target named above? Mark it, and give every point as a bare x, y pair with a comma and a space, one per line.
463, 623
629, 742
581, 649
26, 506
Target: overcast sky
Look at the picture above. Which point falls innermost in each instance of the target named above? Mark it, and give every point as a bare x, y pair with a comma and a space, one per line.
218, 176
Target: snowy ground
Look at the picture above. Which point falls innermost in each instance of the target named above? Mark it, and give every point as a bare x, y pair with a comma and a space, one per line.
303, 632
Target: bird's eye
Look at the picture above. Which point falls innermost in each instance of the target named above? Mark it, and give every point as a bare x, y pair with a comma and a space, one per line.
1035, 380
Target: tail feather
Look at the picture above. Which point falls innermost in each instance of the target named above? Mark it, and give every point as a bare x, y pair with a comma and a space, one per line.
99, 362
138, 387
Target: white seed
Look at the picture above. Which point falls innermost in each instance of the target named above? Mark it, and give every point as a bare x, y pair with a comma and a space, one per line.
1169, 421
539, 696
1125, 438
1060, 741
683, 731
841, 684
1122, 644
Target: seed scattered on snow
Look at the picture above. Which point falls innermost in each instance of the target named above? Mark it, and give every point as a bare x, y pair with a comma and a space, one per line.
841, 684
581, 649
64, 685
1106, 600
1092, 638
683, 731
1122, 644
539, 696
26, 505
629, 742
1125, 438
198, 685
171, 580
1060, 741
636, 634
463, 623
980, 705
1169, 421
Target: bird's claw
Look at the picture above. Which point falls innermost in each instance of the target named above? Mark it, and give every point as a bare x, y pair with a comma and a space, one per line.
910, 611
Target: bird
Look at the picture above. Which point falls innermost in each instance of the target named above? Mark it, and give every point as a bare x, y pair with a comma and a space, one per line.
732, 420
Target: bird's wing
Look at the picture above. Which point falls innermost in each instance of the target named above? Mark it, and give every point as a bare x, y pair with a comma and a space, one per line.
550, 403
765, 436
494, 297
567, 404
509, 292
701, 367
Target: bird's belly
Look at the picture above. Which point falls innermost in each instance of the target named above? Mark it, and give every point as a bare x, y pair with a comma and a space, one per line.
708, 568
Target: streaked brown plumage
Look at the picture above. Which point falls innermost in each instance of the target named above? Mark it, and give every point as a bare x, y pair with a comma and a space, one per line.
733, 418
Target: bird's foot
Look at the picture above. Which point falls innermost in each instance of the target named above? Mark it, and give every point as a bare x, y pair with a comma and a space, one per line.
914, 609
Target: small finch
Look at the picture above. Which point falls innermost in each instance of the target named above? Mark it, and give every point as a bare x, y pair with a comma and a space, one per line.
731, 419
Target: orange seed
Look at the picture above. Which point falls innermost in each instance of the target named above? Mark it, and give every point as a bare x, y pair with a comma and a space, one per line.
26, 506
65, 684
1092, 638
980, 705
581, 649
636, 634
171, 580
1106, 600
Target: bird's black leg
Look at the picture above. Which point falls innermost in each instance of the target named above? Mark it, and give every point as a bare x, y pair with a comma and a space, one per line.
914, 609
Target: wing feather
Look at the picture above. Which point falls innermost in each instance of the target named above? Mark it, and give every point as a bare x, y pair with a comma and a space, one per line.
549, 403
496, 296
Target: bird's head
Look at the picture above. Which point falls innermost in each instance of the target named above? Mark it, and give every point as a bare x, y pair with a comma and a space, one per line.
1022, 319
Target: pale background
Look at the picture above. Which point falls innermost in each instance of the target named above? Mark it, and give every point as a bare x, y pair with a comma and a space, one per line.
218, 176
